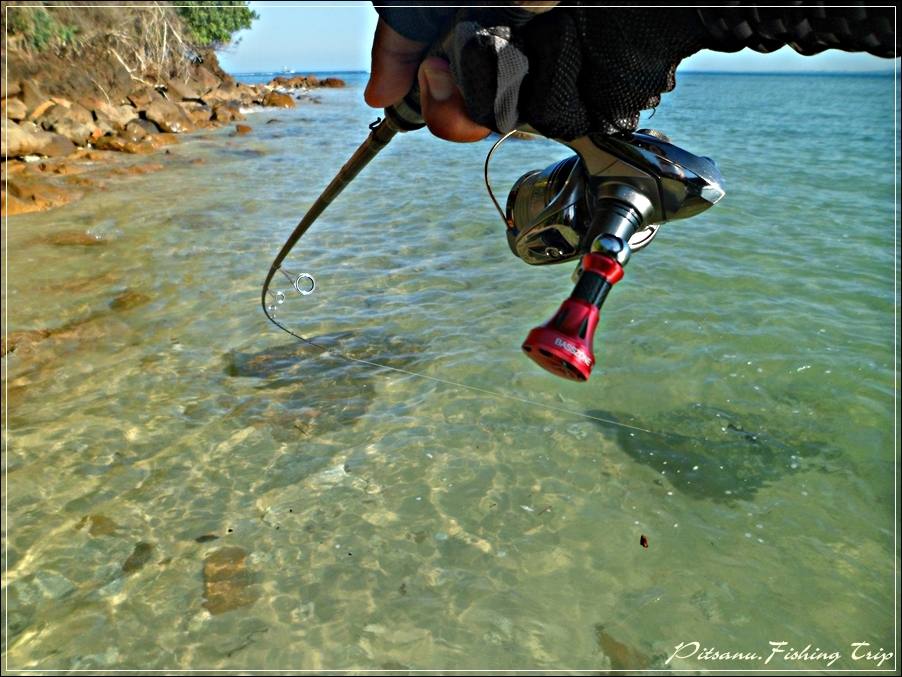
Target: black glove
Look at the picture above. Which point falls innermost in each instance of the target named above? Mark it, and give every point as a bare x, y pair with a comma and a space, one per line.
579, 70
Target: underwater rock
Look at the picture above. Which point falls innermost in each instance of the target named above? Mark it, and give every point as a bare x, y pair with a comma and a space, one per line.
71, 238
22, 340
227, 581
242, 129
100, 526
139, 557
711, 453
137, 170
129, 299
622, 657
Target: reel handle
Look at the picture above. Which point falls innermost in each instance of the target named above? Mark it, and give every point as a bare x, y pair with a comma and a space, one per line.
563, 345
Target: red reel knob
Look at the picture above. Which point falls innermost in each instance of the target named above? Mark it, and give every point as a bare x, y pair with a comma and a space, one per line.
563, 345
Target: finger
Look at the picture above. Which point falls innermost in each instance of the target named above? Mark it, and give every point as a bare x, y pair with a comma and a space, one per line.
394, 66
443, 105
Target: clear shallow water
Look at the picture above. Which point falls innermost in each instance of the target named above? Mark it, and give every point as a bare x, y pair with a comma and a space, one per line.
389, 520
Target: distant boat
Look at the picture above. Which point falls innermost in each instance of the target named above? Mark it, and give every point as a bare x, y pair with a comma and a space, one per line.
286, 69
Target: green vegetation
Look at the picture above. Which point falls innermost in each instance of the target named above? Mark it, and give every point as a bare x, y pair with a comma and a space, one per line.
39, 28
59, 26
213, 24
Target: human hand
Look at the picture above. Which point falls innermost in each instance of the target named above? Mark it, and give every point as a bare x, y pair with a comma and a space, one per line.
396, 61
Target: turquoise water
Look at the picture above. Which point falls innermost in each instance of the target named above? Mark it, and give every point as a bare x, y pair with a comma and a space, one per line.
379, 520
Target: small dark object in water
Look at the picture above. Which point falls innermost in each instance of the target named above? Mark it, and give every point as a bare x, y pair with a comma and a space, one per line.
643, 541
206, 538
138, 558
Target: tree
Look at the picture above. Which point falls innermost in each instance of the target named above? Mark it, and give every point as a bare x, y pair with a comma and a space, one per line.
213, 24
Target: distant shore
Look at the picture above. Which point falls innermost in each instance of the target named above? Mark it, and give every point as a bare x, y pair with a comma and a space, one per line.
57, 149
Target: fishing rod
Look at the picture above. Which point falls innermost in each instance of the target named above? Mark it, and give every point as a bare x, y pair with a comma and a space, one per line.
598, 206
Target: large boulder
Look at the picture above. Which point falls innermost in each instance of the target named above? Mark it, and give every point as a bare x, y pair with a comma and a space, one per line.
227, 112
203, 81
180, 91
14, 109
332, 82
168, 117
143, 97
278, 100
29, 139
106, 114
75, 122
31, 95
199, 113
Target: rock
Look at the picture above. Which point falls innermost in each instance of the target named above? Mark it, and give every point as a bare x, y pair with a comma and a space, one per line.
142, 98
242, 129
22, 340
31, 95
225, 92
137, 170
40, 109
118, 117
29, 139
13, 88
139, 557
75, 122
100, 525
622, 656
24, 197
180, 91
156, 141
134, 132
168, 117
203, 80
199, 113
227, 112
332, 82
227, 581
129, 299
246, 93
148, 126
14, 109
70, 238
122, 145
278, 100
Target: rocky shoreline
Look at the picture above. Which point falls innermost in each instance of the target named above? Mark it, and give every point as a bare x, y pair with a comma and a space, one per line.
56, 150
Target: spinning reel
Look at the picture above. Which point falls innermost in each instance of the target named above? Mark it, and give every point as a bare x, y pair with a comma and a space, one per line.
599, 205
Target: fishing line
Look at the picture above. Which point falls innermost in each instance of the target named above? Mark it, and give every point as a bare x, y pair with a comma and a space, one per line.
400, 118
436, 379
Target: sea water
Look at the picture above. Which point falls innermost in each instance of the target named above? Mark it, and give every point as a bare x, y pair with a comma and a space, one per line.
741, 417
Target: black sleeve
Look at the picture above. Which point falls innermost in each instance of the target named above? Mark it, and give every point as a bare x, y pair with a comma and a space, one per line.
807, 29
423, 24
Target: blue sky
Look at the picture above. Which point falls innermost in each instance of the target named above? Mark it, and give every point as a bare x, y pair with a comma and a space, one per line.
317, 36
